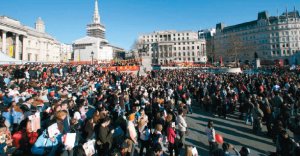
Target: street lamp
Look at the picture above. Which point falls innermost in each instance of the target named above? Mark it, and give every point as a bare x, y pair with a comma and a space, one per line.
92, 54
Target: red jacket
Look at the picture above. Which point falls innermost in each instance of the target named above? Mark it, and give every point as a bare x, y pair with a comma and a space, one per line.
19, 135
171, 135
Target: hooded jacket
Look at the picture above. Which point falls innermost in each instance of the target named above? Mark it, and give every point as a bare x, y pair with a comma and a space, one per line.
44, 146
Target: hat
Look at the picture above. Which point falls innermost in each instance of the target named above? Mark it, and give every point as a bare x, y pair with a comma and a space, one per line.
131, 117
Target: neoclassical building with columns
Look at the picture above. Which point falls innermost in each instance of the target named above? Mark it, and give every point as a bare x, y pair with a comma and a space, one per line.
25, 43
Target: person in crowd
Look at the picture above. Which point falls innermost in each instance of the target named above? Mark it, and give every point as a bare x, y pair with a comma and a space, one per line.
210, 132
144, 135
131, 134
171, 135
244, 151
81, 99
104, 136
182, 125
257, 114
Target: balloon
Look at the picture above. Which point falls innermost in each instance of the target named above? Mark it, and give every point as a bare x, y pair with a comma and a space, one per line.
219, 138
180, 87
52, 93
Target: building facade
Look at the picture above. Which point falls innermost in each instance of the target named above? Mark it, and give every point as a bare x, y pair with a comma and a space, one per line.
208, 35
266, 38
66, 51
94, 46
26, 43
167, 47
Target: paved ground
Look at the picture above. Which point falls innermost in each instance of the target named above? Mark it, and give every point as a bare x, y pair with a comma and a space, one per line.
233, 130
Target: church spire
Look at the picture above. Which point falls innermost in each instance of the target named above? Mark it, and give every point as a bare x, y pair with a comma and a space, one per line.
96, 17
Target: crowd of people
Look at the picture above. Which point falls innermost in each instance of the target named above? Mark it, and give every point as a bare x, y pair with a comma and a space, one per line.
79, 110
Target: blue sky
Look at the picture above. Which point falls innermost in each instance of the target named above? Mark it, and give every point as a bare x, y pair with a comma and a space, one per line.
126, 19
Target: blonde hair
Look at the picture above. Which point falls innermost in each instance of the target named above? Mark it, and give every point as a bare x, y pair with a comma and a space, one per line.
141, 123
169, 118
189, 151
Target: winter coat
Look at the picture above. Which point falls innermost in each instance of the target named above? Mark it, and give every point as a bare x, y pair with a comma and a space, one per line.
44, 146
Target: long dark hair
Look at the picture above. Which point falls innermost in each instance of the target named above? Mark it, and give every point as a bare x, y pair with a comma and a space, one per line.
210, 124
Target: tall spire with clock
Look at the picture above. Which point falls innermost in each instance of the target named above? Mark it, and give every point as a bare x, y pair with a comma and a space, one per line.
96, 29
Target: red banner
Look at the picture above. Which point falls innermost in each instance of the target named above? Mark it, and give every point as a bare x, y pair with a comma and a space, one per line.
119, 68
128, 68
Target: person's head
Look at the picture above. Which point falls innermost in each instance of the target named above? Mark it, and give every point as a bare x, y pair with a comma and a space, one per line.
159, 127
96, 117
105, 122
61, 115
210, 124
131, 117
284, 134
64, 105
225, 146
245, 151
169, 118
142, 111
180, 112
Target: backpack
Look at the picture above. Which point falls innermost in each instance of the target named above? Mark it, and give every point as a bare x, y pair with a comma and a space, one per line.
154, 138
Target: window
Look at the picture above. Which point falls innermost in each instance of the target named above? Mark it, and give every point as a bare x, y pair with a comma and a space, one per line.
198, 47
174, 48
183, 53
183, 48
192, 47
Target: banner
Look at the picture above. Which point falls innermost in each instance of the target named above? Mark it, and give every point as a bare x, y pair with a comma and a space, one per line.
128, 68
11, 51
119, 68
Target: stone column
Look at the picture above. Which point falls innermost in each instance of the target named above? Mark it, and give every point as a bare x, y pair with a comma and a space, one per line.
17, 48
4, 42
24, 52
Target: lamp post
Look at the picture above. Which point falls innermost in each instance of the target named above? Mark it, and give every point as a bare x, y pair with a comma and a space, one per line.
92, 54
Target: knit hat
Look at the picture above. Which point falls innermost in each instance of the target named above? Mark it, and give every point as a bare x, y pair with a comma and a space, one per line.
131, 117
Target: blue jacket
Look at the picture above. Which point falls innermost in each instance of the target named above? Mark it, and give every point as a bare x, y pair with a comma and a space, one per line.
43, 143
